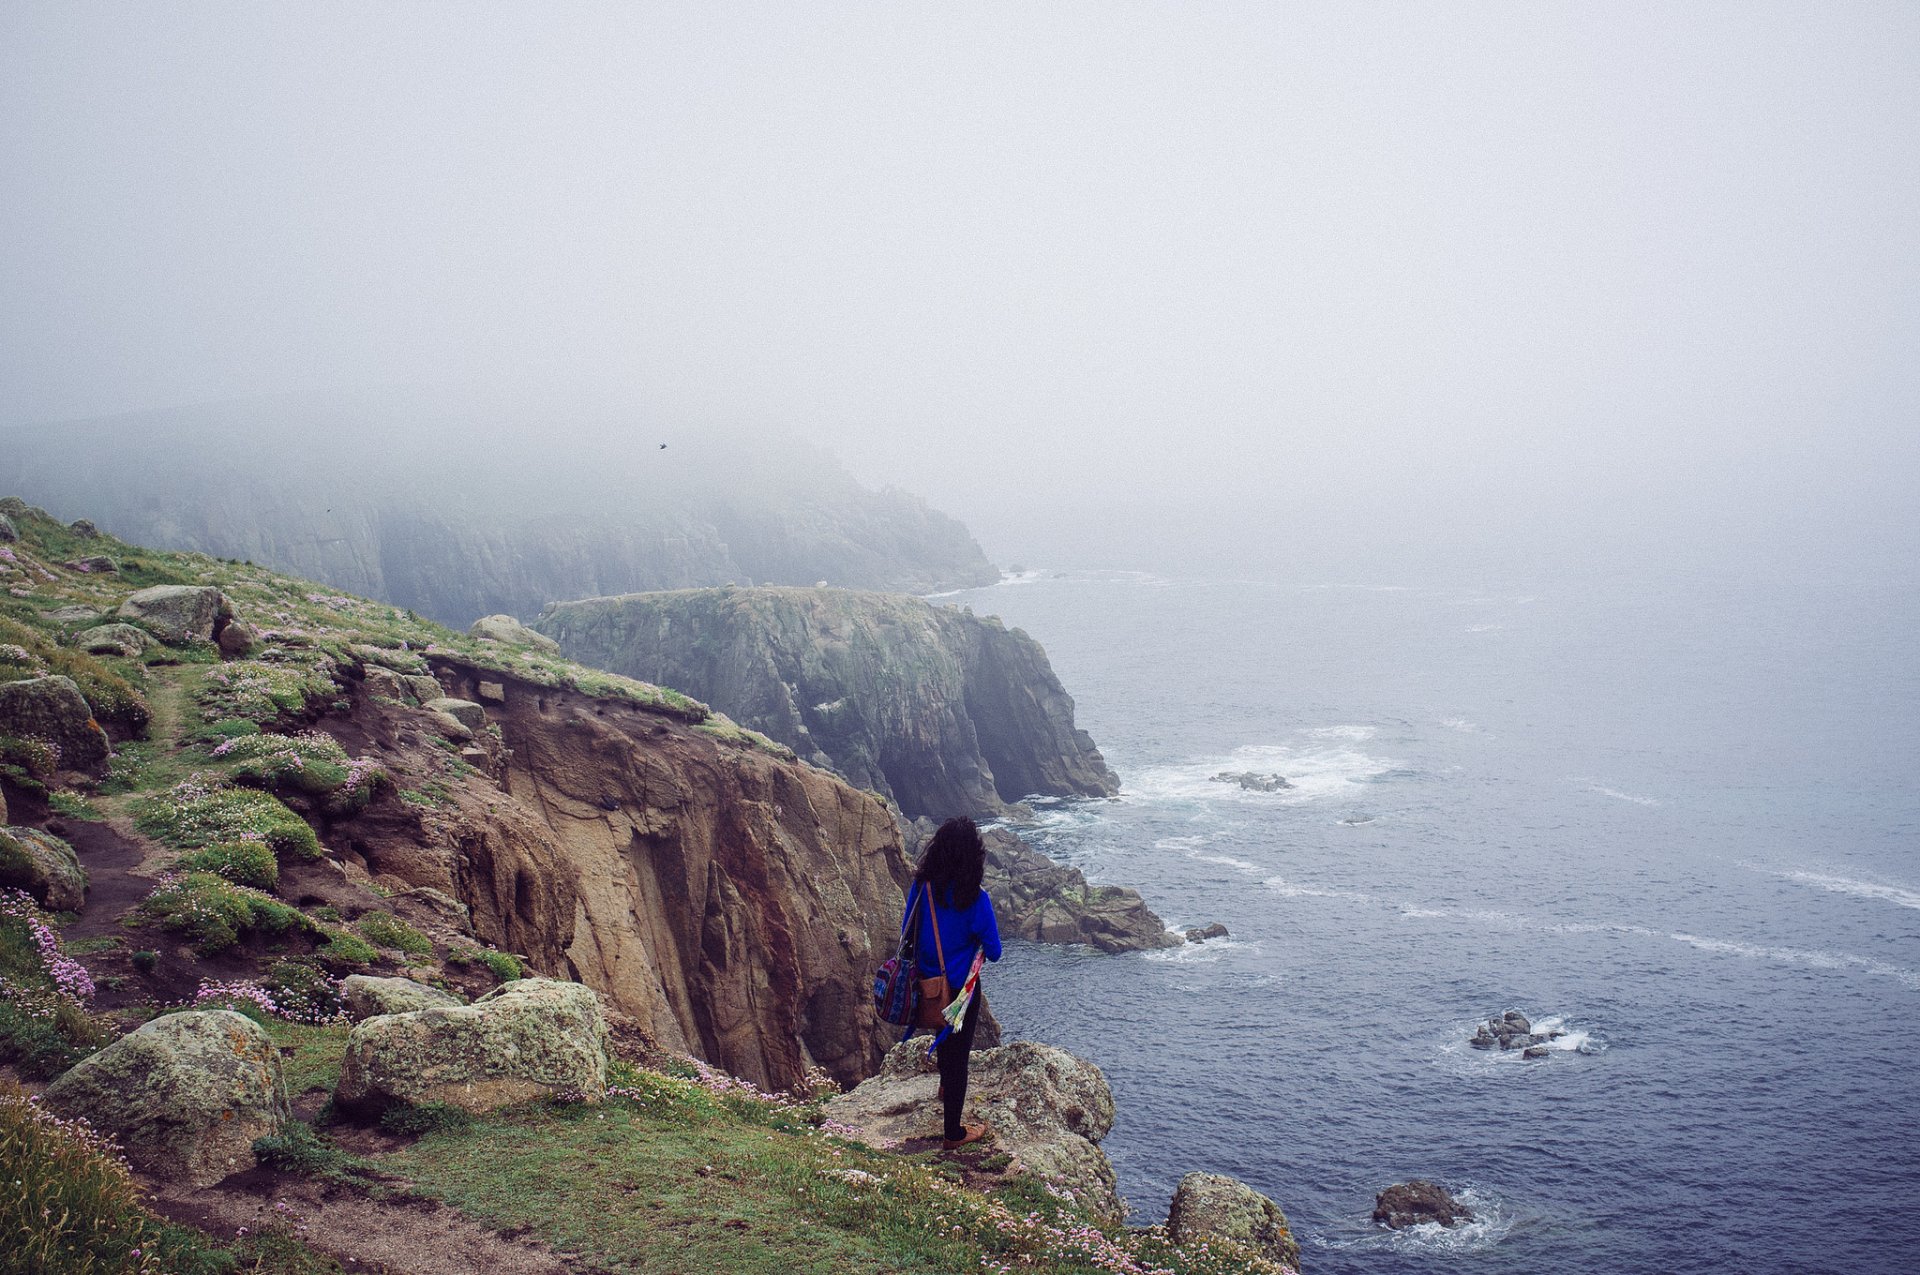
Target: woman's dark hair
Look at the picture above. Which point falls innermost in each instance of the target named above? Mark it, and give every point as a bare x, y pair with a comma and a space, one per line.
952, 863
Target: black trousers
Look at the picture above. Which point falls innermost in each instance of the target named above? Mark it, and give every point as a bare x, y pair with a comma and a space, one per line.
952, 1057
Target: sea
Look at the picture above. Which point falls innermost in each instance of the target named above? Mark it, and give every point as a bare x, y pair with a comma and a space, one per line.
1670, 814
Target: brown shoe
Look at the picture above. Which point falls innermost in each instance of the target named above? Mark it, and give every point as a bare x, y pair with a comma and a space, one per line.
974, 1132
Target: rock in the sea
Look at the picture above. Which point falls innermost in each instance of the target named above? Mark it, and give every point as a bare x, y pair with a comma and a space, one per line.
177, 613
1047, 1109
44, 866
1535, 1051
185, 1095
465, 711
1413, 1203
1047, 902
522, 1040
1252, 781
53, 709
363, 996
114, 639
1212, 1206
1202, 934
84, 529
1510, 1030
504, 628
1517, 1020
237, 638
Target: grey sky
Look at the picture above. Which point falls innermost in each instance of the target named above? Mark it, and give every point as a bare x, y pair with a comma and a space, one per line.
1336, 261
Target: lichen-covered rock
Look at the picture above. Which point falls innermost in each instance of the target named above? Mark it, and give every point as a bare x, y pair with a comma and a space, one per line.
522, 1040
97, 564
185, 1095
1047, 1109
53, 709
364, 996
1416, 1202
504, 628
84, 529
1212, 1206
237, 638
465, 711
114, 639
43, 865
177, 613
8, 532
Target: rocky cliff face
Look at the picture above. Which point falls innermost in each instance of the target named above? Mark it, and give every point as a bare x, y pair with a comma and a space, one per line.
945, 712
732, 902
455, 514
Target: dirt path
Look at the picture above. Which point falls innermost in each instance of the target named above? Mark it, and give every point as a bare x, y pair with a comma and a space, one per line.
110, 855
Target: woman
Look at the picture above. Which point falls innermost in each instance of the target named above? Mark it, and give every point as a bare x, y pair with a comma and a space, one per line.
950, 869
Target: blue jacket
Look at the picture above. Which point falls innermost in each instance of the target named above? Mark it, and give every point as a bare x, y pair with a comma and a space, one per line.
961, 930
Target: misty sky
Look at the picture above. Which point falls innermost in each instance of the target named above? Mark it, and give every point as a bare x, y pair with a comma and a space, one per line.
1289, 266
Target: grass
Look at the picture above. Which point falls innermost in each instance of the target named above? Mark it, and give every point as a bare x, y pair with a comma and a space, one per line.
388, 930
202, 810
213, 914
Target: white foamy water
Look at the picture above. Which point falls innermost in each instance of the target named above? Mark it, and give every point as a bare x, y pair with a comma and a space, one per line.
1492, 1222
1295, 890
1899, 896
1617, 795
1811, 958
1323, 764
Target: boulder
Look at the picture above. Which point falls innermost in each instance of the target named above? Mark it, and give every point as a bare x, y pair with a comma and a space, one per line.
185, 1095
93, 565
464, 711
53, 709
1214, 931
84, 529
523, 1040
421, 687
1252, 781
237, 638
364, 996
504, 628
1047, 1109
71, 615
1212, 1206
8, 532
44, 866
1535, 1051
1517, 1020
177, 612
114, 639
1417, 1202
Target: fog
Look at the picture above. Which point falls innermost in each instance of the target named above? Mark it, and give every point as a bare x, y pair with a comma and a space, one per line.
1111, 282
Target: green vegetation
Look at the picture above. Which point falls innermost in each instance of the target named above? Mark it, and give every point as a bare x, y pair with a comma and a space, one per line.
389, 930
344, 950
213, 914
260, 691
298, 1149
201, 811
27, 650
312, 763
413, 1120
44, 1025
505, 968
241, 862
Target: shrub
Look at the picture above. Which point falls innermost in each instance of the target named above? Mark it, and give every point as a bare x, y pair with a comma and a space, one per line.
303, 991
241, 862
343, 950
263, 691
504, 967
212, 913
389, 930
144, 960
200, 812
44, 1027
312, 763
34, 757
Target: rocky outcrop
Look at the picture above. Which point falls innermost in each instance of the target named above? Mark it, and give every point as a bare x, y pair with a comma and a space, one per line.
525, 1039
734, 903
43, 865
1252, 781
365, 996
1200, 934
177, 613
185, 1095
53, 709
942, 711
506, 629
114, 639
1047, 902
1212, 1206
1511, 1030
1417, 1202
458, 510
1047, 1109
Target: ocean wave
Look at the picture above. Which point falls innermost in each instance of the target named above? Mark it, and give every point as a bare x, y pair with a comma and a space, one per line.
1462, 725
1294, 890
1203, 953
1899, 896
1485, 628
1617, 795
1493, 1219
1811, 958
1324, 763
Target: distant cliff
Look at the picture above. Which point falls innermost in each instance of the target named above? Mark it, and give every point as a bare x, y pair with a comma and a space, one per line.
943, 711
457, 513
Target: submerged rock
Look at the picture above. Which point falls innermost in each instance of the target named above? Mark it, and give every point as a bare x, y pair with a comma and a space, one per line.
1047, 1109
1252, 781
524, 1039
1416, 1202
1212, 1206
185, 1095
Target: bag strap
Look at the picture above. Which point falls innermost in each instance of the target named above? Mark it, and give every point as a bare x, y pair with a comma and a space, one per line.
935, 921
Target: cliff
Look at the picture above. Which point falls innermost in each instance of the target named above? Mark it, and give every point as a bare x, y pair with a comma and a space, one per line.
945, 712
451, 511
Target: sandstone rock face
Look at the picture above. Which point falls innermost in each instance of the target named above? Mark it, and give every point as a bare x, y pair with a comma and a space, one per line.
734, 904
185, 1095
115, 639
946, 713
52, 708
43, 865
364, 996
522, 1040
1047, 1108
1047, 902
505, 628
177, 612
1212, 1206
1413, 1203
